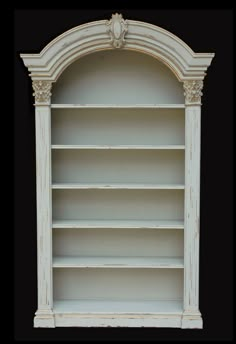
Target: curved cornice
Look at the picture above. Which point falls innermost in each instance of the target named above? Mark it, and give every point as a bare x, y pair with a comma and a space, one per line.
117, 34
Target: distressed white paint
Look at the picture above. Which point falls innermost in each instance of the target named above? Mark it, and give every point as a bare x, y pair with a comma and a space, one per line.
118, 224
115, 186
192, 214
168, 147
113, 81
44, 315
118, 313
73, 320
93, 37
118, 262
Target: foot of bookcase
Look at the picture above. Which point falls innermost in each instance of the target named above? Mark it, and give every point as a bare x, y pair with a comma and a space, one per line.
44, 319
192, 320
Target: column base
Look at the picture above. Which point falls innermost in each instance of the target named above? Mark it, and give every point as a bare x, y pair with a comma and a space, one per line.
192, 320
44, 318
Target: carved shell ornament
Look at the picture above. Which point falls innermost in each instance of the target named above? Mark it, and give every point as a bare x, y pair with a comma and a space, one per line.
117, 28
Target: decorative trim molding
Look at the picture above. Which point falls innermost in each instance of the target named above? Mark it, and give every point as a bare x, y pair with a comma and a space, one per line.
192, 320
42, 91
142, 37
117, 28
117, 320
44, 318
193, 91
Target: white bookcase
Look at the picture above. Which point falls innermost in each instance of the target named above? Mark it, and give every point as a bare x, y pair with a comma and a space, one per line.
118, 166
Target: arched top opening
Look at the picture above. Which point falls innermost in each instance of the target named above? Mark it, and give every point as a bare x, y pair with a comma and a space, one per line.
118, 77
117, 34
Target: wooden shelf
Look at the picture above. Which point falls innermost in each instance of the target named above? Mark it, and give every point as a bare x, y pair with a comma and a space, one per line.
118, 262
115, 186
118, 224
118, 106
118, 306
118, 147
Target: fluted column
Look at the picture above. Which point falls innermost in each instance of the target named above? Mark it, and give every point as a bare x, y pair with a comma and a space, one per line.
42, 93
192, 91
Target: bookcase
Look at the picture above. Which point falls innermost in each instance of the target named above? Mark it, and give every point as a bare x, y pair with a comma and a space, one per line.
118, 176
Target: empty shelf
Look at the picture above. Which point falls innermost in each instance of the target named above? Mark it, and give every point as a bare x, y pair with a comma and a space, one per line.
118, 306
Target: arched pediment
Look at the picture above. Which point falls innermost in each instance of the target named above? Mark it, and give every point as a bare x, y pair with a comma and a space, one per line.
117, 33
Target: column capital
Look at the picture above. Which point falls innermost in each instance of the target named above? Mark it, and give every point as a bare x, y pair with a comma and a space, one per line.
42, 91
193, 92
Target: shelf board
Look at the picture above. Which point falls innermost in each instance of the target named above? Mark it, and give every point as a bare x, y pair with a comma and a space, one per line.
118, 106
106, 306
170, 147
118, 262
117, 186
175, 224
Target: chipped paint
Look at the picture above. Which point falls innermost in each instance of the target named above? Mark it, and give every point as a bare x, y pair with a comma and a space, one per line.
191, 225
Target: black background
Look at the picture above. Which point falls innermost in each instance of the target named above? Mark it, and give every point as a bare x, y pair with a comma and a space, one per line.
204, 31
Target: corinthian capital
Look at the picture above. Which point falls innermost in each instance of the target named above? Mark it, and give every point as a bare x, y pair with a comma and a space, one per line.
192, 91
42, 91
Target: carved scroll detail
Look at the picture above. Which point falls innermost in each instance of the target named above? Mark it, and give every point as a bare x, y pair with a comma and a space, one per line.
117, 28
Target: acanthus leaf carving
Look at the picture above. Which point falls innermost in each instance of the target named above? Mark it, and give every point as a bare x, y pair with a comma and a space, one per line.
42, 91
117, 28
193, 91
